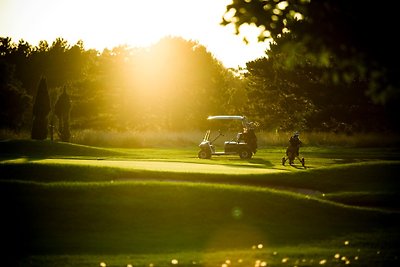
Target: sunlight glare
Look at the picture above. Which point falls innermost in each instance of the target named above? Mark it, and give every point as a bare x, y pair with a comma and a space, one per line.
282, 5
106, 24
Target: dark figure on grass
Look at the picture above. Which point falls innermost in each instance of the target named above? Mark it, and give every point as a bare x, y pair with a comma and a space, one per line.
248, 136
251, 139
292, 151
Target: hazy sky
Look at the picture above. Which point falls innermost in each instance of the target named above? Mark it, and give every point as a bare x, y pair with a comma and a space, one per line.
109, 23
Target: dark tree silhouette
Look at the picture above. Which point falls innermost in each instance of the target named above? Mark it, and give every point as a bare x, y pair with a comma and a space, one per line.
62, 111
14, 101
41, 109
175, 83
355, 36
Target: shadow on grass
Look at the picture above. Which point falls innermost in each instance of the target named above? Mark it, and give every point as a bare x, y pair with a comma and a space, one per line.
12, 149
253, 163
349, 160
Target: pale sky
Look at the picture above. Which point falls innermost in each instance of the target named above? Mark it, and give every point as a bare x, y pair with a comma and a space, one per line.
109, 23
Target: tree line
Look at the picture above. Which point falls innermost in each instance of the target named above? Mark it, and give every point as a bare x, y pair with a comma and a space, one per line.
336, 58
174, 85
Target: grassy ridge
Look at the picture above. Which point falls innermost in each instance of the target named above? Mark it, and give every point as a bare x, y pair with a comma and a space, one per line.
62, 208
41, 149
145, 217
368, 176
373, 184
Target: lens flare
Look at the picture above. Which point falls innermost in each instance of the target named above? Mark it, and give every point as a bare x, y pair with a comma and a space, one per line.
237, 213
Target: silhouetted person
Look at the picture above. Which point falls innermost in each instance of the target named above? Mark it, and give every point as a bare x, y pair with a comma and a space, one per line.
292, 151
248, 136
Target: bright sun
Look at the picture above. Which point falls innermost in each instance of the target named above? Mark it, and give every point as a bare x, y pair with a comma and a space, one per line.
109, 23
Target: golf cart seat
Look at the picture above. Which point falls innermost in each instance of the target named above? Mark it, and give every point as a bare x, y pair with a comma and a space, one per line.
228, 144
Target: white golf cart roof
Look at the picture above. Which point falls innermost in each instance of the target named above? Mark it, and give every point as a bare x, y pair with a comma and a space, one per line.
226, 117
243, 119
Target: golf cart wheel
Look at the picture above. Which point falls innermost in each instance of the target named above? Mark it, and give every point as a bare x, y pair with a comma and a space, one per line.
245, 154
204, 154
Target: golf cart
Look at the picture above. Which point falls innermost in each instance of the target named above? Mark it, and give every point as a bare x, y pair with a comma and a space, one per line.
243, 144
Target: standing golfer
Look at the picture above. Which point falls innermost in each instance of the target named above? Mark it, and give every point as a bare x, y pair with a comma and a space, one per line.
292, 151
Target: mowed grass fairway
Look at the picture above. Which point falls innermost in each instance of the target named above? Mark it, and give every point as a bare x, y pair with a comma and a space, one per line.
73, 205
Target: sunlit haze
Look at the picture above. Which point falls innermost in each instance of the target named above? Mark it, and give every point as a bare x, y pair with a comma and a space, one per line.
108, 23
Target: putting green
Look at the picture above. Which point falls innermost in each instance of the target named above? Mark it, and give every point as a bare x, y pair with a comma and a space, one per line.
162, 166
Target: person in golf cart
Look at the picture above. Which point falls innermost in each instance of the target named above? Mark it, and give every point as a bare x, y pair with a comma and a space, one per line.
292, 151
248, 136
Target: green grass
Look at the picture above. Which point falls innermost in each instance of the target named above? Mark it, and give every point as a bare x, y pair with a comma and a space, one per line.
74, 205
162, 217
336, 255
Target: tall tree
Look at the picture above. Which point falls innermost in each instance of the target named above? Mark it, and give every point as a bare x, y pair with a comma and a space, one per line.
298, 98
275, 96
62, 109
41, 109
15, 103
357, 37
172, 84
